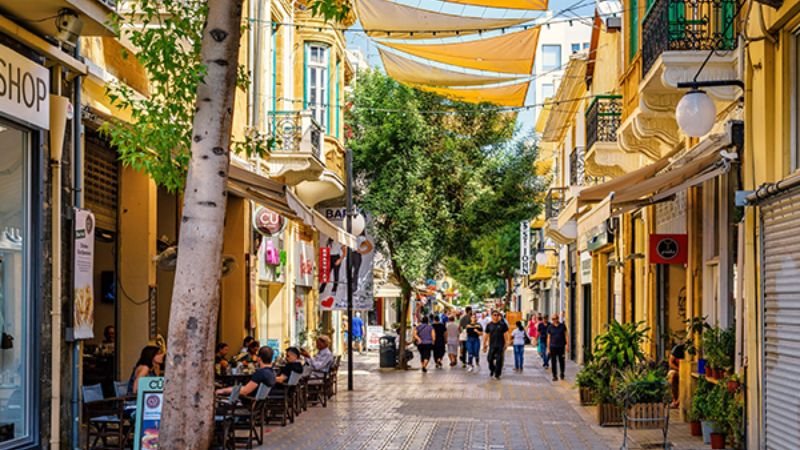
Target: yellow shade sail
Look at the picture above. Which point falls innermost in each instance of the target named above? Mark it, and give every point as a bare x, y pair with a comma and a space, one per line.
507, 53
406, 70
508, 4
384, 18
508, 95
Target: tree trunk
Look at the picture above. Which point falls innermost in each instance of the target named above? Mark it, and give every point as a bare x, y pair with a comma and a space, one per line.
188, 411
406, 290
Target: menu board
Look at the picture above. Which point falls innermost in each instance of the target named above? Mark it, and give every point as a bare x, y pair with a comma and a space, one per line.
149, 400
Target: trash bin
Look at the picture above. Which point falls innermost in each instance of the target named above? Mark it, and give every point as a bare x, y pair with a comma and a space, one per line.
388, 352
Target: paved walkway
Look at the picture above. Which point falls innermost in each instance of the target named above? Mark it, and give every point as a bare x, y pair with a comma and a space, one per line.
448, 409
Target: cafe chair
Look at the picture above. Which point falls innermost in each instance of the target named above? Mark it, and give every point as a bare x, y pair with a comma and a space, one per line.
224, 432
249, 416
302, 387
106, 424
318, 385
121, 388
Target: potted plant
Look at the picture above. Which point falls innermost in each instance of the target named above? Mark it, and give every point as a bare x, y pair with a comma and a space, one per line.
719, 413
727, 350
587, 379
732, 383
712, 410
644, 393
712, 351
697, 410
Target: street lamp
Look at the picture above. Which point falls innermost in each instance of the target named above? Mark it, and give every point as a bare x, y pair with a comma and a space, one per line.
696, 112
541, 256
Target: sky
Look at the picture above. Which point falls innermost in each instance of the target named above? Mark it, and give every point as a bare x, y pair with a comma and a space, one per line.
577, 8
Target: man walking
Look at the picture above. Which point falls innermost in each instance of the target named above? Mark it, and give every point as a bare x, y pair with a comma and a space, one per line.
462, 334
358, 333
495, 340
557, 341
542, 332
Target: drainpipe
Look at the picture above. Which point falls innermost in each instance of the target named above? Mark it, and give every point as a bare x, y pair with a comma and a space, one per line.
77, 184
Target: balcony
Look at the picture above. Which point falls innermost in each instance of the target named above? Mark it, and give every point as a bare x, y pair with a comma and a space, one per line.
297, 153
94, 14
553, 202
603, 157
331, 182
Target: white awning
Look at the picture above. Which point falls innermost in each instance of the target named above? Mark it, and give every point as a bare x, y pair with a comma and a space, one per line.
327, 227
595, 216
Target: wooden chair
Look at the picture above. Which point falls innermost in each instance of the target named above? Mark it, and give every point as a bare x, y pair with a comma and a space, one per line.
318, 385
302, 388
333, 387
105, 419
121, 389
250, 417
280, 406
224, 432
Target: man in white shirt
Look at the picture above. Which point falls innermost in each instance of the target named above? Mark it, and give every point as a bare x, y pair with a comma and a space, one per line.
323, 360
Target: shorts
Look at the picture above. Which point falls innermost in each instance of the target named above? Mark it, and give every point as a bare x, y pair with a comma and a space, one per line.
452, 349
357, 339
424, 351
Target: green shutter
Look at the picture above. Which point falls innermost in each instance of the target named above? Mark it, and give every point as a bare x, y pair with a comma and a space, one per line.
305, 76
677, 20
633, 24
337, 106
328, 90
728, 27
274, 68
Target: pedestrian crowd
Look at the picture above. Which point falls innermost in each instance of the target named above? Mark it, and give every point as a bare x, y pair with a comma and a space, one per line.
461, 335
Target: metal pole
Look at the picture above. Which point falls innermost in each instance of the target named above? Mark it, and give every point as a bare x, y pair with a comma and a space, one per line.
77, 183
349, 265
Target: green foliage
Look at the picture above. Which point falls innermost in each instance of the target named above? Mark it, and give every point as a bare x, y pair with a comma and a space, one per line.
642, 383
725, 409
621, 346
699, 409
168, 34
335, 10
589, 375
719, 346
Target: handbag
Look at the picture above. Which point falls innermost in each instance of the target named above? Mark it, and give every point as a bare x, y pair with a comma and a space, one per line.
527, 339
7, 341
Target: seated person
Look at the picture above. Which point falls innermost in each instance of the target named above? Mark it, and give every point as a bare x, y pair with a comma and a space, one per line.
246, 343
148, 365
673, 376
221, 357
323, 360
263, 375
293, 364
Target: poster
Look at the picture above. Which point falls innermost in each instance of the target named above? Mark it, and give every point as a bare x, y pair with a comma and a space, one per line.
149, 399
275, 345
83, 278
304, 259
333, 294
374, 335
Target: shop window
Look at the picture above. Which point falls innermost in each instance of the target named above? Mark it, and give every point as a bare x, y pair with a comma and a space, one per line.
551, 56
16, 311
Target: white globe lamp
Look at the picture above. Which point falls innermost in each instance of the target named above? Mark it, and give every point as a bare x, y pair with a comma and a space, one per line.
696, 113
541, 258
359, 223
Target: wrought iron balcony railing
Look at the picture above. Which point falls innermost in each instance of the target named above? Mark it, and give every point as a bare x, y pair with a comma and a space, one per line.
576, 167
296, 132
687, 25
553, 202
603, 119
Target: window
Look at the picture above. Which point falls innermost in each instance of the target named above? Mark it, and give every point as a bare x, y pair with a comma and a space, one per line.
551, 56
317, 94
585, 45
16, 311
576, 48
548, 90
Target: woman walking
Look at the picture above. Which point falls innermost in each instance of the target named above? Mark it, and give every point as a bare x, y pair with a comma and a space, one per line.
452, 340
439, 341
518, 337
474, 332
423, 337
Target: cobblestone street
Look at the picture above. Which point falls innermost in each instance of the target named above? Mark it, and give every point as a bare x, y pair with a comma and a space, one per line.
449, 409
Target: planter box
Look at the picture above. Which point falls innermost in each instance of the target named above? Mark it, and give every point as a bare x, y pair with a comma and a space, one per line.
609, 415
587, 396
647, 416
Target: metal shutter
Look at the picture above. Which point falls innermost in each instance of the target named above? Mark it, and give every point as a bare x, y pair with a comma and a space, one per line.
101, 182
780, 269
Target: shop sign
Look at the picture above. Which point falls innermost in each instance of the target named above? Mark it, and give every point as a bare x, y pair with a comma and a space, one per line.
325, 265
268, 222
525, 247
24, 89
597, 237
668, 248
374, 335
586, 268
271, 259
83, 275
149, 401
304, 259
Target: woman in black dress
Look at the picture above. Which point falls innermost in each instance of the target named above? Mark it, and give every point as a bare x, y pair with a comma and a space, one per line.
440, 341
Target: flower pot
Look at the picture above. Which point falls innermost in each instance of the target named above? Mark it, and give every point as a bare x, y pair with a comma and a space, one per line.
609, 415
701, 366
586, 396
718, 441
711, 372
733, 386
707, 428
646, 416
695, 428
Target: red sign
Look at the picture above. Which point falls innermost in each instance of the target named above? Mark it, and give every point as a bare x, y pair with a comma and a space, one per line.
669, 248
325, 265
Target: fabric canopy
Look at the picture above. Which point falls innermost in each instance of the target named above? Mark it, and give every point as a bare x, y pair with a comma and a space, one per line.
507, 95
383, 18
266, 192
406, 70
507, 53
509, 4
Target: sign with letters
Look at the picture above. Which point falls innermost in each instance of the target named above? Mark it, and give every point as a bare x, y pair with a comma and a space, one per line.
24, 89
83, 275
525, 247
149, 401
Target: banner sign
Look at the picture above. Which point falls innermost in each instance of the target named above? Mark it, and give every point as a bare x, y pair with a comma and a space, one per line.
304, 260
25, 89
149, 400
586, 267
268, 222
374, 335
525, 247
333, 291
83, 275
324, 265
669, 248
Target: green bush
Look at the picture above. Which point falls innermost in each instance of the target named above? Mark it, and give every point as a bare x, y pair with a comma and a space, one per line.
699, 408
645, 383
621, 346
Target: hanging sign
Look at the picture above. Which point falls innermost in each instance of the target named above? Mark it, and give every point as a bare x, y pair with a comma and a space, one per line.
271, 259
24, 89
324, 265
83, 275
525, 247
304, 260
669, 248
586, 267
267, 221
149, 400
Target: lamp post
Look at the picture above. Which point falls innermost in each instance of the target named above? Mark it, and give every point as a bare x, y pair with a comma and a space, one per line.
696, 112
349, 268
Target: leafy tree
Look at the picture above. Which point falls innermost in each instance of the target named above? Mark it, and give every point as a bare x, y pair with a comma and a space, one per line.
416, 166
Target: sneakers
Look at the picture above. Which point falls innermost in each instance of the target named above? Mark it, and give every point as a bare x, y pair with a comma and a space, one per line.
470, 368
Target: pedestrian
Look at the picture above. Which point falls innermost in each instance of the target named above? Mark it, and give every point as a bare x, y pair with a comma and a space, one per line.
558, 345
541, 329
453, 335
518, 336
495, 342
485, 320
462, 336
533, 332
358, 333
440, 342
423, 337
474, 331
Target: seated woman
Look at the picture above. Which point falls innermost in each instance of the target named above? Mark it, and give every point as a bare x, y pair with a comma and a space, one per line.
293, 365
149, 365
263, 374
